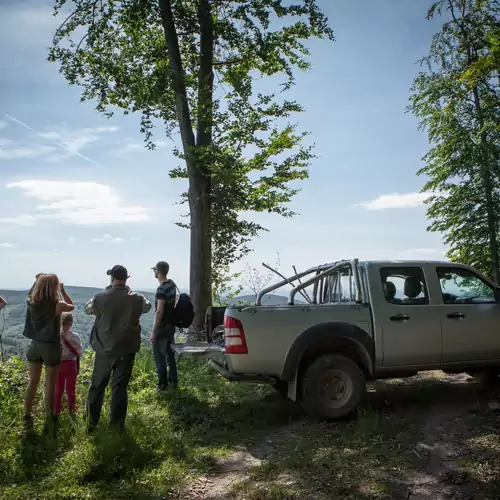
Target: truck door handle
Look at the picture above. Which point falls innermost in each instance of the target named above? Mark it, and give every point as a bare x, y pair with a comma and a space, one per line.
400, 317
455, 315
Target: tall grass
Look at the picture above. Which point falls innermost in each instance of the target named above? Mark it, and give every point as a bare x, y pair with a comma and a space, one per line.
169, 438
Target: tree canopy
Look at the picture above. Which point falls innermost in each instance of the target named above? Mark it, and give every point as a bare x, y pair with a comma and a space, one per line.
195, 67
462, 119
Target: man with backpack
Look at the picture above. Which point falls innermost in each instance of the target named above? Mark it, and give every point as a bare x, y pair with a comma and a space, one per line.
162, 335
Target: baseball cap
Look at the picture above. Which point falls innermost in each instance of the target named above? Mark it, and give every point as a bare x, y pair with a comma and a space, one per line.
162, 267
118, 273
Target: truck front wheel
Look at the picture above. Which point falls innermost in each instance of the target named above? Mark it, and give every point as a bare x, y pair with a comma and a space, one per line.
332, 387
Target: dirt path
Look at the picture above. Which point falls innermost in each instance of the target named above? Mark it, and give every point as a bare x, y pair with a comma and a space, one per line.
439, 445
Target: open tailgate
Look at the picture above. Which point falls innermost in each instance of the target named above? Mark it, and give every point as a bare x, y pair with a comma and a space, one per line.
200, 351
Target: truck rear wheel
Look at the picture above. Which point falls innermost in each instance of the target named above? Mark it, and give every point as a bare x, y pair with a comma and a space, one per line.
332, 387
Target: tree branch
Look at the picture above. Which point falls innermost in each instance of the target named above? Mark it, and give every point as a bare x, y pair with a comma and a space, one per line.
179, 84
74, 13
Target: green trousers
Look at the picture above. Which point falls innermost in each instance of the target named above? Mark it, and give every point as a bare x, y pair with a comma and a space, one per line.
119, 370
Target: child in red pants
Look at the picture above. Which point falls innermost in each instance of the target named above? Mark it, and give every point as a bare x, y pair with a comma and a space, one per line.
68, 369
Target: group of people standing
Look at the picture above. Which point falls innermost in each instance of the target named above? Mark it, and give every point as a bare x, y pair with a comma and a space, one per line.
115, 338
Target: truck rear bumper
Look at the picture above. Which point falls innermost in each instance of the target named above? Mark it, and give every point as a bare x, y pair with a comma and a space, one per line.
238, 377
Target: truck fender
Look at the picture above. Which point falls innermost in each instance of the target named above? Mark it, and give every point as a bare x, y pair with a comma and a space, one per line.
324, 337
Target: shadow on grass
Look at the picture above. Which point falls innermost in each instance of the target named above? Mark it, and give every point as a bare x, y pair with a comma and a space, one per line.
422, 438
115, 456
188, 434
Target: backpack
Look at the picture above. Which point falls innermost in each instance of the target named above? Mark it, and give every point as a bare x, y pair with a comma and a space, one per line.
184, 311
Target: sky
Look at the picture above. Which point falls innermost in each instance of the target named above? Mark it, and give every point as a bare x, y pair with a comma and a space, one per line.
80, 193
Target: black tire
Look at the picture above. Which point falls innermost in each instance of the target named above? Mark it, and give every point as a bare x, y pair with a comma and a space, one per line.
316, 392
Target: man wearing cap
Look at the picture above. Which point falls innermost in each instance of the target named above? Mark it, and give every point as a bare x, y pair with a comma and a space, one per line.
162, 335
115, 338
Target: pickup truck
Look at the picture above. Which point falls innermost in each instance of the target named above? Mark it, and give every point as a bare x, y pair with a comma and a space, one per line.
360, 321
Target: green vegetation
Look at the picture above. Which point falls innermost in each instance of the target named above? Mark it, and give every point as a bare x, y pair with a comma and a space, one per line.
169, 437
408, 435
194, 68
461, 115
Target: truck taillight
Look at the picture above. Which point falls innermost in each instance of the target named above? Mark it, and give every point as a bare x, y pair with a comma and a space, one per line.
234, 336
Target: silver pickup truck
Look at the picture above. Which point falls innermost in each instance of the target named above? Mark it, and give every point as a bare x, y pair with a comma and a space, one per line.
362, 321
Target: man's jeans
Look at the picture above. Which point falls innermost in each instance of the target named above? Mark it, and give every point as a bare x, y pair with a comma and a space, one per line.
120, 371
164, 357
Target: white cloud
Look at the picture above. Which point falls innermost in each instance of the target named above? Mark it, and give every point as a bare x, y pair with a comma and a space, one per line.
134, 146
396, 200
6, 245
75, 141
65, 143
79, 203
100, 130
12, 150
107, 238
24, 220
135, 238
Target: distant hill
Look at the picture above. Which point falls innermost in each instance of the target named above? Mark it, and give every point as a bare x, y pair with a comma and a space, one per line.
15, 313
13, 316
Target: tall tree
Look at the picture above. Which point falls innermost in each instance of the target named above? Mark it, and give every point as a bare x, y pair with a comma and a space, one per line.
195, 67
461, 117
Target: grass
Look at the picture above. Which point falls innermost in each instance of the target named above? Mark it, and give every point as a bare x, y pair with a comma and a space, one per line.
169, 438
174, 440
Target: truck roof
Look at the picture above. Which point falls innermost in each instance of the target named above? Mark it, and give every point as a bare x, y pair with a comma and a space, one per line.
409, 262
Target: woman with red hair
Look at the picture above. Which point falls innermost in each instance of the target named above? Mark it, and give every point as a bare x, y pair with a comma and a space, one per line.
42, 326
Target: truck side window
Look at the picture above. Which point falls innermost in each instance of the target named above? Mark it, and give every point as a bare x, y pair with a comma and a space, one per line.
404, 285
461, 286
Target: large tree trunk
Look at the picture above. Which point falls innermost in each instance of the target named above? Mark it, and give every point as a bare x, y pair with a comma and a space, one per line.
201, 185
201, 249
197, 152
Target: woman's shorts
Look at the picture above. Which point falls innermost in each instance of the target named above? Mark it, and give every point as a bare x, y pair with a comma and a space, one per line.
48, 353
